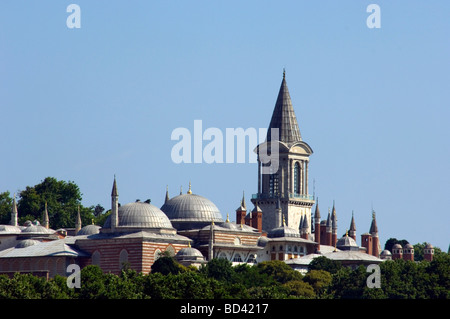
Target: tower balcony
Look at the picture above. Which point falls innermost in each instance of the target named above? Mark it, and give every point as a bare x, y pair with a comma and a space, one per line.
282, 195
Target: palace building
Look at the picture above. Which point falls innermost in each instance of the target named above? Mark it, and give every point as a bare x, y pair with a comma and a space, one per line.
191, 228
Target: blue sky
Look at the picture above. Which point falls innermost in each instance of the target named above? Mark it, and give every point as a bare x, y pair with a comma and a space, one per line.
85, 104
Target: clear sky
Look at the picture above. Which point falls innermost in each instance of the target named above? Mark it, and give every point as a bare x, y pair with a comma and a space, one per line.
83, 104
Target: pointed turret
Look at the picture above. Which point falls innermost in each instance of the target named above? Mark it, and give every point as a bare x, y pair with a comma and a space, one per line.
256, 220
167, 195
373, 226
14, 213
279, 213
376, 248
46, 222
317, 229
352, 230
241, 211
114, 206
334, 226
78, 221
283, 117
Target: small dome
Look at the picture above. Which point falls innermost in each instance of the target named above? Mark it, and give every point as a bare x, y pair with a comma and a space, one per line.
262, 241
191, 208
189, 252
9, 229
429, 246
89, 230
283, 231
27, 243
409, 246
397, 246
386, 253
36, 228
140, 215
345, 242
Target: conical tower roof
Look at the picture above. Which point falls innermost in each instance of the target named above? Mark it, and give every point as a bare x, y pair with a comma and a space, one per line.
283, 117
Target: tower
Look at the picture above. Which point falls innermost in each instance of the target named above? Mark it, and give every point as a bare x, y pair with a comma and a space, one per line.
408, 252
397, 252
317, 225
46, 222
284, 173
241, 211
114, 206
333, 226
14, 213
376, 249
428, 252
328, 229
352, 230
78, 221
257, 218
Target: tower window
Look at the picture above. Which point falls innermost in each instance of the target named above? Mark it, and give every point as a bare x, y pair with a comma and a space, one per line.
297, 178
273, 184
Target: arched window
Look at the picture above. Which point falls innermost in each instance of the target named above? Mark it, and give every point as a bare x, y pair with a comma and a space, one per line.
96, 258
237, 258
251, 259
123, 258
297, 178
273, 184
237, 241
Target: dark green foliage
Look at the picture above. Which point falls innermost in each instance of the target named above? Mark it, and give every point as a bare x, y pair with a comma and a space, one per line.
323, 263
218, 279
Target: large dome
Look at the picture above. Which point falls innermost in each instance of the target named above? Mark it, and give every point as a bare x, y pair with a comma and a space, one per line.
191, 208
140, 215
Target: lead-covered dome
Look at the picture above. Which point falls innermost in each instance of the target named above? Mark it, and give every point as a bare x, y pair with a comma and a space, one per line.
89, 230
190, 209
140, 215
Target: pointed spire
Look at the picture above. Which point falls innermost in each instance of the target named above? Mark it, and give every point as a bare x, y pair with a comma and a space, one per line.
243, 201
305, 224
189, 190
373, 225
329, 219
114, 192
352, 223
181, 190
167, 194
317, 212
14, 213
334, 217
46, 220
284, 221
283, 117
78, 221
228, 218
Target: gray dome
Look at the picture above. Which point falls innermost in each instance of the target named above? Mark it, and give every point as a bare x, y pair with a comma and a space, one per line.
140, 215
191, 208
397, 246
262, 241
188, 252
346, 242
283, 231
89, 230
27, 243
386, 253
9, 229
36, 228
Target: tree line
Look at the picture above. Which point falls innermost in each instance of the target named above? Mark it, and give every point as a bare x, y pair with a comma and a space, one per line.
218, 279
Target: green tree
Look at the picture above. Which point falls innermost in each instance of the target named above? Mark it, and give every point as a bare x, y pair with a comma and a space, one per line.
167, 265
279, 271
62, 198
299, 289
319, 280
5, 208
324, 263
220, 269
